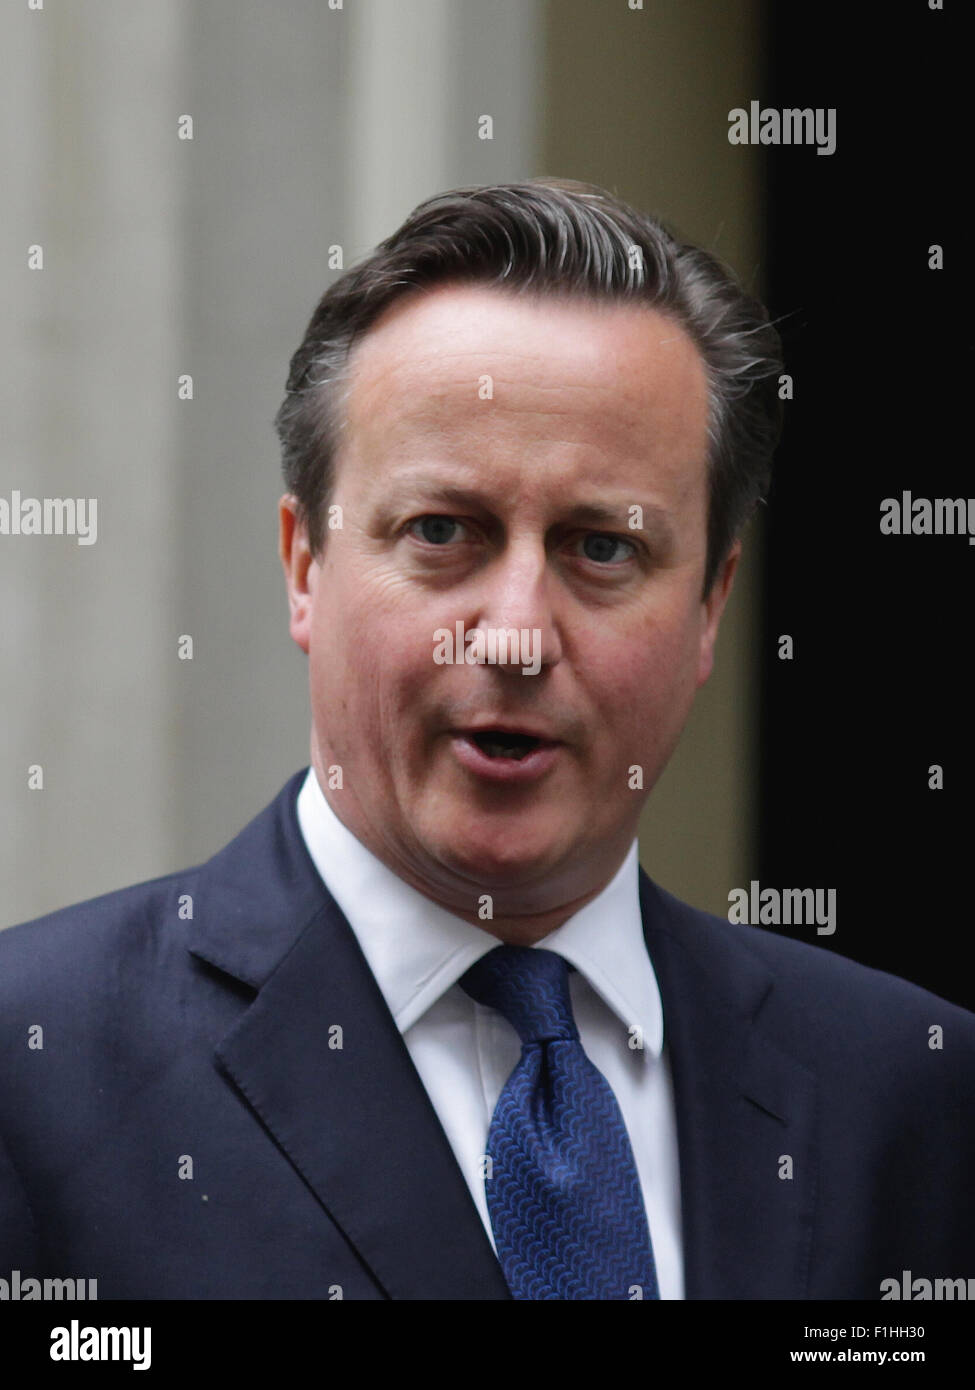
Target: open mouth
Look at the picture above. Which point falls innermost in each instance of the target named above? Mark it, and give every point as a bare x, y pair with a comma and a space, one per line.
501, 743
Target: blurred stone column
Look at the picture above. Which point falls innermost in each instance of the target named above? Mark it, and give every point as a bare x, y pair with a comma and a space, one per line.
94, 177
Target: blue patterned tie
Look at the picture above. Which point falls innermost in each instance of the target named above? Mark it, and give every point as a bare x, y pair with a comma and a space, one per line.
562, 1191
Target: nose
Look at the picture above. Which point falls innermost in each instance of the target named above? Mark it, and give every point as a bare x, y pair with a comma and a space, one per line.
517, 592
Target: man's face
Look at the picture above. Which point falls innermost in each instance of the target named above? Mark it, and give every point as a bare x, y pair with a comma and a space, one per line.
497, 450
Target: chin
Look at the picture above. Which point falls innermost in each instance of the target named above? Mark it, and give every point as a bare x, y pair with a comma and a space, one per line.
499, 859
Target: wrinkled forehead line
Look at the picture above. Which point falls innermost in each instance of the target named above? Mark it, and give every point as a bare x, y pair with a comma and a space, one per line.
420, 337
530, 302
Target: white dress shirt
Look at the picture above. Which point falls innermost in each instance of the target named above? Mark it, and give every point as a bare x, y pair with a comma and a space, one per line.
465, 1052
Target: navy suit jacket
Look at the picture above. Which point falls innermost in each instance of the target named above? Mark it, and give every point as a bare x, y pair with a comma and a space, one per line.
205, 1044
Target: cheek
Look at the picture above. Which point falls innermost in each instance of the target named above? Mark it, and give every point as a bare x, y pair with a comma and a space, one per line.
647, 682
371, 672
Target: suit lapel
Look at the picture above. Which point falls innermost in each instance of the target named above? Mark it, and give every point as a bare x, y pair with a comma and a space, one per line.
347, 1108
744, 1109
356, 1123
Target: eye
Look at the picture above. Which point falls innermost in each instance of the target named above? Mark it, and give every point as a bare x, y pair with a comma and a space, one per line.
603, 549
435, 529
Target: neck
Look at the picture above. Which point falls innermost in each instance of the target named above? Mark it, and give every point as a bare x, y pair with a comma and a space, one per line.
513, 928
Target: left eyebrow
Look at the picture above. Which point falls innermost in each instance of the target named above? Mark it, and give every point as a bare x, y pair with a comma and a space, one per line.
597, 513
657, 524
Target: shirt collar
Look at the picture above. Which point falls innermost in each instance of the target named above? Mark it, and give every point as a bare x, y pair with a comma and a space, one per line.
417, 950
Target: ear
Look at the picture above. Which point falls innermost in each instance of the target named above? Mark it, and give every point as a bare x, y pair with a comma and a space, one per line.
299, 569
712, 608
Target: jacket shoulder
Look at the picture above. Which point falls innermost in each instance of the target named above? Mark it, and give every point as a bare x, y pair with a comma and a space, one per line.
130, 935
812, 992
94, 935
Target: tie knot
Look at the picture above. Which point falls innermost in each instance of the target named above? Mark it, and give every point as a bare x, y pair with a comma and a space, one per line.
529, 987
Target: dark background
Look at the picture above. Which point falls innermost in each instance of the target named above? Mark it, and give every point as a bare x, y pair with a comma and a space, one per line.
880, 350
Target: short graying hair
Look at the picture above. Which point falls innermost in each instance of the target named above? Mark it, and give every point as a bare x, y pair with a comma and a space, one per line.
548, 237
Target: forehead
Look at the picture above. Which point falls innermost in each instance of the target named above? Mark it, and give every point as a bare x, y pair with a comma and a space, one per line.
466, 365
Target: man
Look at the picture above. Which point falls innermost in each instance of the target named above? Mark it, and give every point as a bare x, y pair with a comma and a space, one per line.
425, 1030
